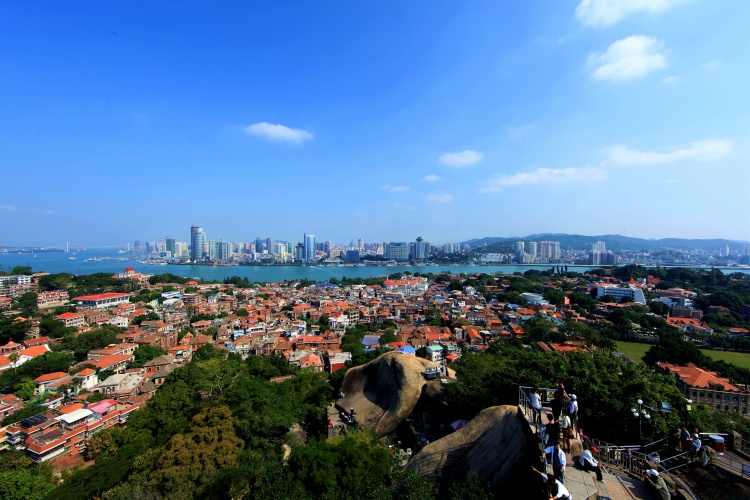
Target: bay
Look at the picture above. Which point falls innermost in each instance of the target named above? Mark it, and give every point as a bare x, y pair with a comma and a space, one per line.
59, 262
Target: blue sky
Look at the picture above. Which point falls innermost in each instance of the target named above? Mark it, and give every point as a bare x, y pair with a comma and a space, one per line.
374, 120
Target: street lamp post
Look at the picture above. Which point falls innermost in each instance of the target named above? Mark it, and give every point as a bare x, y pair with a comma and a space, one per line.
639, 414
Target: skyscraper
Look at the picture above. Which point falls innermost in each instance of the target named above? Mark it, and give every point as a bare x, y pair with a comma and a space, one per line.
197, 242
397, 251
309, 244
419, 249
171, 247
532, 249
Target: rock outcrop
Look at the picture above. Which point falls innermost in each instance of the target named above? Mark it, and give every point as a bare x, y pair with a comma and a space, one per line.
385, 391
497, 445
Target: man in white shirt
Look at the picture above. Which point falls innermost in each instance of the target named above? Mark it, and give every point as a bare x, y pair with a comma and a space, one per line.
588, 463
556, 457
557, 490
536, 407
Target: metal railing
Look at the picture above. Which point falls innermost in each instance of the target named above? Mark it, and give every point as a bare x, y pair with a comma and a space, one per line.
633, 462
735, 466
628, 459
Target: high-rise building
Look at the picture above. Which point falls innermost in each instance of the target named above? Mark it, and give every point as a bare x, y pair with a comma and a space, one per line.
171, 247
137, 246
352, 256
309, 245
181, 249
270, 247
532, 249
419, 249
197, 243
219, 250
550, 250
519, 247
397, 251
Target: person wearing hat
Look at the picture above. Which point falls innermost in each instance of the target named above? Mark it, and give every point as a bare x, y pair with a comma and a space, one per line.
697, 445
657, 482
573, 411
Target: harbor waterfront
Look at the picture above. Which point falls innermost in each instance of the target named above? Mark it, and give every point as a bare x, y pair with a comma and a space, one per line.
113, 262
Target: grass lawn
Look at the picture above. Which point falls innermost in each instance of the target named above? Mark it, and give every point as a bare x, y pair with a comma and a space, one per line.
635, 351
740, 359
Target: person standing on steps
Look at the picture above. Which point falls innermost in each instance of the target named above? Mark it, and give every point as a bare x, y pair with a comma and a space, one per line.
558, 460
536, 407
558, 400
552, 431
567, 431
573, 411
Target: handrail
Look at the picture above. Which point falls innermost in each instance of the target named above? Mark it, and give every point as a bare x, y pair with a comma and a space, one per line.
626, 458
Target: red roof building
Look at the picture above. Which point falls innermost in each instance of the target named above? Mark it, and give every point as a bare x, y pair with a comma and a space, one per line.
706, 387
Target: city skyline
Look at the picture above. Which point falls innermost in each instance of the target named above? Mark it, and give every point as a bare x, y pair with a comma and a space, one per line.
382, 122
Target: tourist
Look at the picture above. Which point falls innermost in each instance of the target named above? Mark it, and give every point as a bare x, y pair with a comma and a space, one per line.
567, 431
697, 445
588, 463
558, 400
573, 411
558, 461
536, 407
556, 490
657, 482
551, 431
685, 441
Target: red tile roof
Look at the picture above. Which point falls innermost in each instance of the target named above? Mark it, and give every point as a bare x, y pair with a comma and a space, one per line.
698, 377
47, 377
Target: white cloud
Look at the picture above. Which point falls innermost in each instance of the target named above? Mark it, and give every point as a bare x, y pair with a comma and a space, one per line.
609, 12
631, 57
9, 208
670, 80
543, 176
441, 198
395, 189
401, 206
465, 158
139, 118
696, 151
278, 132
431, 178
710, 65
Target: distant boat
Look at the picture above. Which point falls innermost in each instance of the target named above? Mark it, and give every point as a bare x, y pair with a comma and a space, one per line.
71, 258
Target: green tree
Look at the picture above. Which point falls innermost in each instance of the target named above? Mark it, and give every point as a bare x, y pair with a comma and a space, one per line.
191, 461
347, 467
27, 303
23, 484
146, 353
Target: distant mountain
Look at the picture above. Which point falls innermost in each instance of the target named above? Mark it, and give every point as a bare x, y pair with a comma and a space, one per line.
614, 242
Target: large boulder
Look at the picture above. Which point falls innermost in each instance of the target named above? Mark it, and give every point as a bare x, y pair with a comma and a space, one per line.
385, 391
496, 445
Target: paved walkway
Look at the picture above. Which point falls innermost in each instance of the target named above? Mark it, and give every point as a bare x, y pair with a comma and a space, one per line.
584, 486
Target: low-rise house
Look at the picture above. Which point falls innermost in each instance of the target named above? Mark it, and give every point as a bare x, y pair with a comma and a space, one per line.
121, 386
43, 381
707, 387
115, 362
113, 349
71, 319
86, 379
9, 404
